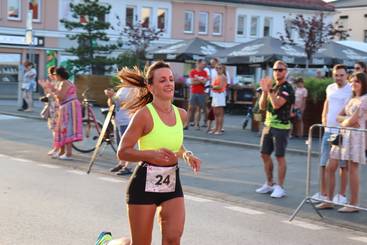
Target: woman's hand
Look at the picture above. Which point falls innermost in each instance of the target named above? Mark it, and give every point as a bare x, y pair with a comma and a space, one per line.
164, 157
192, 161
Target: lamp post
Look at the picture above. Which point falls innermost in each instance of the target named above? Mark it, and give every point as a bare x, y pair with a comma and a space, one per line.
29, 34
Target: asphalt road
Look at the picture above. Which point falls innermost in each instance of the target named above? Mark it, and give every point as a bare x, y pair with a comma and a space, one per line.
43, 203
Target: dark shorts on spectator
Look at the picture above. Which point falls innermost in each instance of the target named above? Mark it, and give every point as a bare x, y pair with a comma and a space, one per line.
274, 139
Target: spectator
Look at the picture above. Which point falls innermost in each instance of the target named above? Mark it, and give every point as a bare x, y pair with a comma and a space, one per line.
337, 96
352, 145
219, 98
28, 86
51, 108
122, 120
197, 98
69, 122
212, 74
299, 106
360, 66
277, 101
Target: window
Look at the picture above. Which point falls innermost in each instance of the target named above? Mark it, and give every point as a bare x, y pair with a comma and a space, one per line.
130, 16
365, 36
146, 16
161, 19
217, 24
254, 26
203, 23
14, 9
241, 25
268, 23
35, 6
189, 22
343, 22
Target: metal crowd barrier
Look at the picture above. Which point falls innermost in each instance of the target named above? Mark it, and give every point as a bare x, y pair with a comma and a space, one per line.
308, 198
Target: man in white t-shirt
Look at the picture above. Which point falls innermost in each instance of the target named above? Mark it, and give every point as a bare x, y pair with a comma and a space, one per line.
337, 96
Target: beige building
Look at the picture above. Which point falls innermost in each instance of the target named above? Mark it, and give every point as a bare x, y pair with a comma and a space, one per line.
15, 19
352, 14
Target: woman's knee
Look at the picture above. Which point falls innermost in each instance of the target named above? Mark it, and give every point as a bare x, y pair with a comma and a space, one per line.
172, 236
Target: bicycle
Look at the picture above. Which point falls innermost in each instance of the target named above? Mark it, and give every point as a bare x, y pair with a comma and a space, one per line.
92, 128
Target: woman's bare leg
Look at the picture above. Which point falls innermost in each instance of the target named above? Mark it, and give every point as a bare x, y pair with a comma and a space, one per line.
354, 182
171, 217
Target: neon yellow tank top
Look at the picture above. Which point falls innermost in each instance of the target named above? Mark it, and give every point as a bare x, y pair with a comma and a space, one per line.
161, 135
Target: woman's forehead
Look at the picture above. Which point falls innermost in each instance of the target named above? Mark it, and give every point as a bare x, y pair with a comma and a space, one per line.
162, 72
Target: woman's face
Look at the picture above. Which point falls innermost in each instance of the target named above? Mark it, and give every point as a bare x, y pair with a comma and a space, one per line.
220, 69
356, 85
51, 76
163, 85
358, 68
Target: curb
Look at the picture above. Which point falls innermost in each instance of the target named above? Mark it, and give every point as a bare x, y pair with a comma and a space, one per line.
190, 137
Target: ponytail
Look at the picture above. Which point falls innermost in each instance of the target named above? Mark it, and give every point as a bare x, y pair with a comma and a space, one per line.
135, 78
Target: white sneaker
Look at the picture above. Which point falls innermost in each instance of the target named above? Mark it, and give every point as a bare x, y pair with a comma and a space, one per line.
264, 189
65, 157
278, 192
340, 199
318, 196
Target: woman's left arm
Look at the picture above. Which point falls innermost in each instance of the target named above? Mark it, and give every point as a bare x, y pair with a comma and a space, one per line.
353, 120
183, 153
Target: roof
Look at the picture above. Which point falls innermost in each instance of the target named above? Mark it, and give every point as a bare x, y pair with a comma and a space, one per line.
298, 4
349, 3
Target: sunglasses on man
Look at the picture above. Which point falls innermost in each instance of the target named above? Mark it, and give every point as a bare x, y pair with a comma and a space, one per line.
279, 69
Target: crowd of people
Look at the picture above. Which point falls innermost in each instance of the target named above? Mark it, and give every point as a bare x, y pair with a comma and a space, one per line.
145, 116
345, 109
208, 95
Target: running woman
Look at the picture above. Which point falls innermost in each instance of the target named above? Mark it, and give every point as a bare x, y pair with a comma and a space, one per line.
157, 127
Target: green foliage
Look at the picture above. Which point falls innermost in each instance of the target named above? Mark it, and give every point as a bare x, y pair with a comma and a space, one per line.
128, 59
317, 88
93, 46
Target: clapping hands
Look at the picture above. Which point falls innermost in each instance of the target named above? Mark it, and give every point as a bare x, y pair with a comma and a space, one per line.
266, 84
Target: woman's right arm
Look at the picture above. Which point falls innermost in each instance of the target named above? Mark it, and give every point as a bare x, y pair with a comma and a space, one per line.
137, 128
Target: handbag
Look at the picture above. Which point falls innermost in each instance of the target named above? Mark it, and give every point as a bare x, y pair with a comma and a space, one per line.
335, 139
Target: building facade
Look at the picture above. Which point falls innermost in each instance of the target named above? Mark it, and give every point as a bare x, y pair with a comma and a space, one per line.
352, 14
226, 22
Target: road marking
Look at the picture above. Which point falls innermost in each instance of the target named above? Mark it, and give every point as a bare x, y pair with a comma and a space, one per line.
359, 239
78, 172
6, 117
21, 159
112, 180
48, 166
305, 225
196, 199
244, 210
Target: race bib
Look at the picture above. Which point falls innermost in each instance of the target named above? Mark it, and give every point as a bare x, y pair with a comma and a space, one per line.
160, 179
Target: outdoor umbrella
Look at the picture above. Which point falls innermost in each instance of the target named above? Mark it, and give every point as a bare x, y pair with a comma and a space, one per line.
187, 50
262, 51
341, 54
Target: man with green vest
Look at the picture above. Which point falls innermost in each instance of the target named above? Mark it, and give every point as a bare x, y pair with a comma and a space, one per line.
277, 100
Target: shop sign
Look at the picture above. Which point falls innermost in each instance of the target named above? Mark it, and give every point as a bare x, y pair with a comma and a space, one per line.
20, 40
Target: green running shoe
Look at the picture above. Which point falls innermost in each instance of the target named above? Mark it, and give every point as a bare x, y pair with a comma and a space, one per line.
103, 238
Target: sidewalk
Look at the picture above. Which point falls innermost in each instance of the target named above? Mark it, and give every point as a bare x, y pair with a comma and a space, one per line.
233, 132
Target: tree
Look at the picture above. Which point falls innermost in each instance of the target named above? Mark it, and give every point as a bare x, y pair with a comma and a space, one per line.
138, 36
314, 32
92, 49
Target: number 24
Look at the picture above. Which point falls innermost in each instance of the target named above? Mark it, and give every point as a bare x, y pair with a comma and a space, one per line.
161, 180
